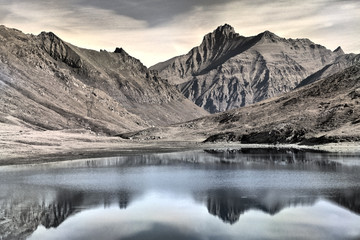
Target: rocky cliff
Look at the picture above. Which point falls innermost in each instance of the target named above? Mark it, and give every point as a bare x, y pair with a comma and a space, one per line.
228, 71
46, 83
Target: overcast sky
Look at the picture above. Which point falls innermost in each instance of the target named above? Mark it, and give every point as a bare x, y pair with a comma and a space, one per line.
155, 30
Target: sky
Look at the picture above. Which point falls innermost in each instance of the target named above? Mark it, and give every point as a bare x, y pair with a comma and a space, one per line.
156, 30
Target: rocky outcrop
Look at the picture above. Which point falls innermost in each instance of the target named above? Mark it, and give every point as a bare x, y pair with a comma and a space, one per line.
59, 50
46, 83
229, 71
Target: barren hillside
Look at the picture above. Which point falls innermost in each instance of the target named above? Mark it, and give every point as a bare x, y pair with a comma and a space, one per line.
46, 83
325, 111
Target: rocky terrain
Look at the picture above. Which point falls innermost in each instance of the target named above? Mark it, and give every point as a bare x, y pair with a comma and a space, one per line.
228, 71
327, 110
48, 84
60, 102
340, 63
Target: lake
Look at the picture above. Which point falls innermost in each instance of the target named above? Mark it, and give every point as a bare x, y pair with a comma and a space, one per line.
210, 194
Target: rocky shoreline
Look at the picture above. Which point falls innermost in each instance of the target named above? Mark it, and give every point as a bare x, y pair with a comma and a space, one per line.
33, 147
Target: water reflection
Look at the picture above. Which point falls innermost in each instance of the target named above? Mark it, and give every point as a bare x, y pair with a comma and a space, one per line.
176, 195
230, 204
21, 215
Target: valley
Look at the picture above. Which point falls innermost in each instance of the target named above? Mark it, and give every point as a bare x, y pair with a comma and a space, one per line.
59, 101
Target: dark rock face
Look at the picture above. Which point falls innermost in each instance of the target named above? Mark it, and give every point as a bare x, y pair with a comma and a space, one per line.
46, 83
282, 134
60, 50
229, 71
339, 51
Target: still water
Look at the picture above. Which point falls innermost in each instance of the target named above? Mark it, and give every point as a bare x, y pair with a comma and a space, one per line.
248, 194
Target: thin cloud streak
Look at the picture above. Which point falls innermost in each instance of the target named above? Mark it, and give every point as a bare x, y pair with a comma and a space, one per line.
155, 30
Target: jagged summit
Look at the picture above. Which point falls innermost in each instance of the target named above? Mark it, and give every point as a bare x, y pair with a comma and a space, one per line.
221, 35
228, 71
120, 50
225, 26
225, 30
339, 50
44, 33
269, 35
123, 53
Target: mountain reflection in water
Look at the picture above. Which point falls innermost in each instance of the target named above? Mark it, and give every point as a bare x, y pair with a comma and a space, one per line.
171, 191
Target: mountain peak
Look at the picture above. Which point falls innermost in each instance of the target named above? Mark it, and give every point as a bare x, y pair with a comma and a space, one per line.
120, 50
225, 30
48, 34
219, 36
339, 51
268, 35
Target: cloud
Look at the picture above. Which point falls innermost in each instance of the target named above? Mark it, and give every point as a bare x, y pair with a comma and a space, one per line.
154, 12
68, 18
330, 23
86, 27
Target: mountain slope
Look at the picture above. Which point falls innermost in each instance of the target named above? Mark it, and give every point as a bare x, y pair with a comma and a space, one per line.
47, 83
229, 71
327, 110
342, 62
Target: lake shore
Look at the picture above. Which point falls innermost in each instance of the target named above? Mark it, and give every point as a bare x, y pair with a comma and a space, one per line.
26, 146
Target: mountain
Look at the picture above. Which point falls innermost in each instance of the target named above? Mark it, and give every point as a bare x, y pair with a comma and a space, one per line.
47, 83
327, 110
340, 63
228, 71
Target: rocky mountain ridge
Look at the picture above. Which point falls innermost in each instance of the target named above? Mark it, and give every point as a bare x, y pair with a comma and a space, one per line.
228, 71
342, 62
46, 83
325, 111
